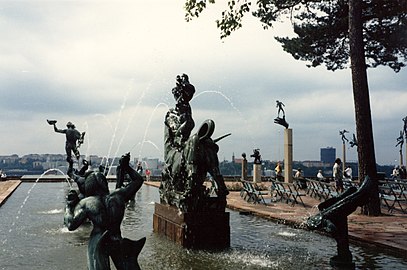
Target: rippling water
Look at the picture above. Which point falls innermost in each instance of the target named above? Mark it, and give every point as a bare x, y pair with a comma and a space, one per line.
32, 236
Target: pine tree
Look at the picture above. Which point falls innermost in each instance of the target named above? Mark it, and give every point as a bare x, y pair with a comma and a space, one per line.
362, 33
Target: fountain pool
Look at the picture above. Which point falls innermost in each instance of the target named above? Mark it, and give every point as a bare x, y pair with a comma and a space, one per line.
33, 236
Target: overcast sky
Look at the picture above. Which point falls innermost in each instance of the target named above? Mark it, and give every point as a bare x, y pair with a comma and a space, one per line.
109, 67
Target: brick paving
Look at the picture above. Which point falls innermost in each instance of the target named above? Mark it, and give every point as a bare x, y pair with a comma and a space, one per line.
388, 230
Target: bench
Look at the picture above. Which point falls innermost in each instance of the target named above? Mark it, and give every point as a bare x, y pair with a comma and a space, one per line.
286, 191
320, 190
251, 193
393, 195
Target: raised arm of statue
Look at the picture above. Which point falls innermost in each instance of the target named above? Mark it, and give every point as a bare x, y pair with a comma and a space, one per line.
59, 130
136, 180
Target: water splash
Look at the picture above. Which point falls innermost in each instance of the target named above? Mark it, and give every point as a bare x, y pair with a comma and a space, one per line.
289, 234
52, 212
149, 142
86, 124
117, 125
148, 126
128, 124
222, 95
232, 105
309, 213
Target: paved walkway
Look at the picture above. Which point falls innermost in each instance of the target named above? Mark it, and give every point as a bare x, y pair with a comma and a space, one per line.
7, 188
387, 231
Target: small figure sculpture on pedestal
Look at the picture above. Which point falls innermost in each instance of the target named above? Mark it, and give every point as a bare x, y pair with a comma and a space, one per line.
256, 155
256, 165
278, 119
333, 218
74, 139
106, 211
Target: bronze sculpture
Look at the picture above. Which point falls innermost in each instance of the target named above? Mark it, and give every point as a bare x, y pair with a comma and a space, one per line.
256, 155
74, 139
106, 211
354, 141
333, 219
189, 158
278, 119
343, 137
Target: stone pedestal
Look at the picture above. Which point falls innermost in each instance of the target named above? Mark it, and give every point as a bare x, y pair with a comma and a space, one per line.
257, 173
288, 155
343, 157
203, 230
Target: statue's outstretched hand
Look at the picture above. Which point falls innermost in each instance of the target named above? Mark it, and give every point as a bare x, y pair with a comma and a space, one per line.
125, 161
72, 198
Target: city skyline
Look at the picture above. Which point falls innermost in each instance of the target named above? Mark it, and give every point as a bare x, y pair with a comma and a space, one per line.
109, 68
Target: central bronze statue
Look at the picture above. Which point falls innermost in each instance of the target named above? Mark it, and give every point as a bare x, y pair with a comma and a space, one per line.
190, 212
189, 158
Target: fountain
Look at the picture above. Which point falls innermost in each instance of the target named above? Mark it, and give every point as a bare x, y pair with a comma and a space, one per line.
255, 243
187, 213
333, 218
27, 242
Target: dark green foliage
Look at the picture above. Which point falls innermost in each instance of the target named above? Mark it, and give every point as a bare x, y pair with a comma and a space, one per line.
367, 33
322, 28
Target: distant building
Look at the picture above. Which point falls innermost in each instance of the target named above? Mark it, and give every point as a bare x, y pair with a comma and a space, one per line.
238, 160
328, 155
313, 163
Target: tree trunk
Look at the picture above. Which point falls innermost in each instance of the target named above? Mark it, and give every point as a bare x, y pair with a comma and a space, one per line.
364, 130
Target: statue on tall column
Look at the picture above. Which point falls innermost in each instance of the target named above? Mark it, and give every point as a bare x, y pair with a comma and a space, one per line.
343, 137
405, 126
278, 119
106, 211
74, 139
280, 106
189, 158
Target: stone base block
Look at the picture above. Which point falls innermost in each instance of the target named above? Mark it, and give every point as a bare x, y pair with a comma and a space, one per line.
203, 230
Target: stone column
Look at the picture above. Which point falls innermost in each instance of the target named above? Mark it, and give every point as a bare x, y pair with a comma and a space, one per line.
257, 173
288, 155
343, 157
